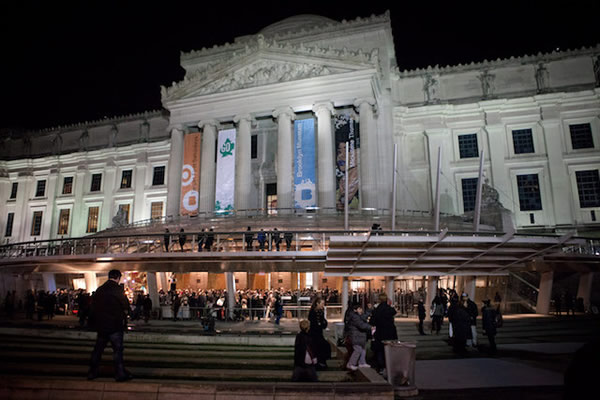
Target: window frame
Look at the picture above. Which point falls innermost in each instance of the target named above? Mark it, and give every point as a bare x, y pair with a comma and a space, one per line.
154, 172
40, 187
10, 220
477, 141
531, 139
97, 221
130, 181
14, 190
462, 186
520, 191
579, 192
65, 185
60, 230
36, 230
99, 189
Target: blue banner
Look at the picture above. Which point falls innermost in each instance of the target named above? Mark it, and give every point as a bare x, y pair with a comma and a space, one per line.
304, 164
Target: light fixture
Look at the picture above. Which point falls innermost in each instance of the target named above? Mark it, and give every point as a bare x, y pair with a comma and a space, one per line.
103, 259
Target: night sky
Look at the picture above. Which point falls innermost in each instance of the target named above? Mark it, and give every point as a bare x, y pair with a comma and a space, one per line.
67, 62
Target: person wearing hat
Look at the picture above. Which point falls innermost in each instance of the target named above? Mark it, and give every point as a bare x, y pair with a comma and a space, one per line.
108, 317
488, 321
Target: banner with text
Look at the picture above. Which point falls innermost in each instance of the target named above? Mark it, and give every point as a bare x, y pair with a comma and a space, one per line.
190, 174
304, 164
225, 184
346, 130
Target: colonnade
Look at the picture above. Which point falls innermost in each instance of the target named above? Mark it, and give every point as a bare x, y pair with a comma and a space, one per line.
285, 116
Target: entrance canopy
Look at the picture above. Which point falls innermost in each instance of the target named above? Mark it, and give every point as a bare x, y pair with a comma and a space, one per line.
450, 253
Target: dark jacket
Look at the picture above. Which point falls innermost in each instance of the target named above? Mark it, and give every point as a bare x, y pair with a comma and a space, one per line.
109, 308
488, 320
472, 310
357, 329
383, 320
302, 344
461, 323
421, 310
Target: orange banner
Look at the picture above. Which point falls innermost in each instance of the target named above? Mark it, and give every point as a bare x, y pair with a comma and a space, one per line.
190, 174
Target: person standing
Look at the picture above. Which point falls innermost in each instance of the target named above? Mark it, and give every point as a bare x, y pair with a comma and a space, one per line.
167, 239
488, 321
421, 311
276, 238
201, 239
210, 238
318, 323
473, 313
147, 306
261, 237
182, 238
305, 356
288, 236
108, 317
248, 238
461, 322
382, 318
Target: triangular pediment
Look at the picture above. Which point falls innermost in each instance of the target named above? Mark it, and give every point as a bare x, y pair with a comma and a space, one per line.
267, 65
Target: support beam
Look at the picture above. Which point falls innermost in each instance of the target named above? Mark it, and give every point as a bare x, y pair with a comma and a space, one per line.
230, 282
389, 289
585, 289
91, 282
49, 281
545, 293
344, 296
432, 285
315, 280
152, 289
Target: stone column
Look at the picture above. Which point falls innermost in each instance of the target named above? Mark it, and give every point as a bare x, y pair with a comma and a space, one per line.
326, 155
545, 293
50, 220
368, 153
80, 217
230, 282
316, 283
389, 289
432, 285
243, 162
152, 288
141, 168
161, 278
585, 288
108, 189
285, 157
91, 281
175, 165
469, 282
344, 296
49, 281
207, 165
21, 231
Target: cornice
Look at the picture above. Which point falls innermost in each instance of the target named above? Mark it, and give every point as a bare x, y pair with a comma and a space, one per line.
244, 41
512, 61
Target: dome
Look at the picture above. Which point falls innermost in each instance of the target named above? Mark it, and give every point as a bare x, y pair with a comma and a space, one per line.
296, 23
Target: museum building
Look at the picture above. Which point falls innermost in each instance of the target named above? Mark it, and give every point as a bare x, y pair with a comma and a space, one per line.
295, 128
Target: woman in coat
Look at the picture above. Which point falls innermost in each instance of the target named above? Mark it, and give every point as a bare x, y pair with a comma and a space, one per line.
318, 323
304, 356
358, 329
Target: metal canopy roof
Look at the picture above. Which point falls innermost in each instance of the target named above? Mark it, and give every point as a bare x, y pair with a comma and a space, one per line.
441, 253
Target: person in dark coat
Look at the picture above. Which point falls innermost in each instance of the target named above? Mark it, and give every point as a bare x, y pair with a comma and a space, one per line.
276, 238
182, 238
248, 238
176, 305
108, 317
201, 239
147, 306
488, 321
167, 239
473, 313
461, 326
210, 238
288, 236
316, 317
382, 318
421, 311
261, 237
305, 356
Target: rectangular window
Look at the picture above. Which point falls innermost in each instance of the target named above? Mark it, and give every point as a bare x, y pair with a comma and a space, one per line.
96, 182
13, 190
9, 224
588, 186
63, 222
581, 136
36, 223
67, 185
125, 208
40, 190
156, 210
126, 179
469, 193
467, 146
92, 223
523, 141
254, 147
271, 198
529, 192
158, 178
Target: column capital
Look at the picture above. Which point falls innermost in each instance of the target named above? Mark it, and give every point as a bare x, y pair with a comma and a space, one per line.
323, 106
360, 101
208, 122
282, 111
243, 117
175, 127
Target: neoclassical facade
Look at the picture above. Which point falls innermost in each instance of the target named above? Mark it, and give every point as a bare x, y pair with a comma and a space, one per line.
535, 118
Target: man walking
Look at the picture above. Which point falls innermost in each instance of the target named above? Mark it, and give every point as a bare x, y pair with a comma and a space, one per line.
108, 317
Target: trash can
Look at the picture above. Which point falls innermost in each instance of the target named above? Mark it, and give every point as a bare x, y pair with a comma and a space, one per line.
339, 332
400, 358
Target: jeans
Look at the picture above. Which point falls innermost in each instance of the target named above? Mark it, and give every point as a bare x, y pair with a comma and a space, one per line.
359, 354
116, 341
